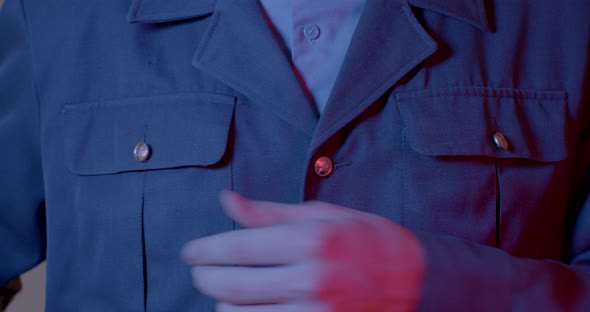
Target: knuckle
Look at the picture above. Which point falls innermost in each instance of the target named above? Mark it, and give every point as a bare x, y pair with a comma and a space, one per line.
328, 236
308, 282
242, 253
318, 235
320, 284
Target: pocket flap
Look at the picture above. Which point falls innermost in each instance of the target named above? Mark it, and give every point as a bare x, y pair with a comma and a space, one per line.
181, 130
462, 121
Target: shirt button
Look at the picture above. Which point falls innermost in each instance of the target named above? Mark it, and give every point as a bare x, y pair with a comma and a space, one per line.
500, 141
311, 31
323, 166
142, 151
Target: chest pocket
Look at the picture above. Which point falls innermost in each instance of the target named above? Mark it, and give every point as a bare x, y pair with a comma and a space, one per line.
144, 210
458, 181
463, 122
181, 130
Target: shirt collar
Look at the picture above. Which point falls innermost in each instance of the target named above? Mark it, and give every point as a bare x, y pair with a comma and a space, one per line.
155, 11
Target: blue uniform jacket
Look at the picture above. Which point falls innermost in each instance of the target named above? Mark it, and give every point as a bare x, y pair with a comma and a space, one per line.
426, 87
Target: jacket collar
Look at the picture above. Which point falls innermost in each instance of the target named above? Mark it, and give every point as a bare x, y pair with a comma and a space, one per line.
156, 11
253, 71
471, 11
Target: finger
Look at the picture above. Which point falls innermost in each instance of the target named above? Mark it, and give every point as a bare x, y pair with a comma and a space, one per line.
247, 285
251, 213
287, 307
273, 245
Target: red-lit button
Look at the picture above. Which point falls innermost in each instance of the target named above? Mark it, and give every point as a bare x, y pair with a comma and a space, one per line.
323, 166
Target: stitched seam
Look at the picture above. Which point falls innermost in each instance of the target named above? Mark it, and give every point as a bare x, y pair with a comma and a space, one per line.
32, 74
231, 151
143, 243
499, 202
482, 91
165, 17
136, 9
404, 146
129, 101
481, 10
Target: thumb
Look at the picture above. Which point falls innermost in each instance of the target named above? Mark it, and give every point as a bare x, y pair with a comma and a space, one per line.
252, 213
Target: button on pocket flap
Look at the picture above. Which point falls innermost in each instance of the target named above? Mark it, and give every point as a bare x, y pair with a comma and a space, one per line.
474, 121
146, 133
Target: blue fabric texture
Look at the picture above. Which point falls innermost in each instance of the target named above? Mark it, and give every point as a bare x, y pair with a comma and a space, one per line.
409, 125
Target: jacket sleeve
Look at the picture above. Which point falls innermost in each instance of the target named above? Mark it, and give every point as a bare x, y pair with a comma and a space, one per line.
463, 276
22, 216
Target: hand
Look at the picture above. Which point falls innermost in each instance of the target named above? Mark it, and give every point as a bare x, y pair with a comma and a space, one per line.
319, 257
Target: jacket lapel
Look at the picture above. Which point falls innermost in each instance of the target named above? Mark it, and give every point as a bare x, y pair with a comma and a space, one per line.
386, 45
241, 50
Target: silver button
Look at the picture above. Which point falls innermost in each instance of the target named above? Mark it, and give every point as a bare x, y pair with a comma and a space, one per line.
311, 31
323, 166
500, 141
142, 151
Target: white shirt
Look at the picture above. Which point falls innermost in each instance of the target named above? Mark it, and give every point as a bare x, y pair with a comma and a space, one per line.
317, 34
